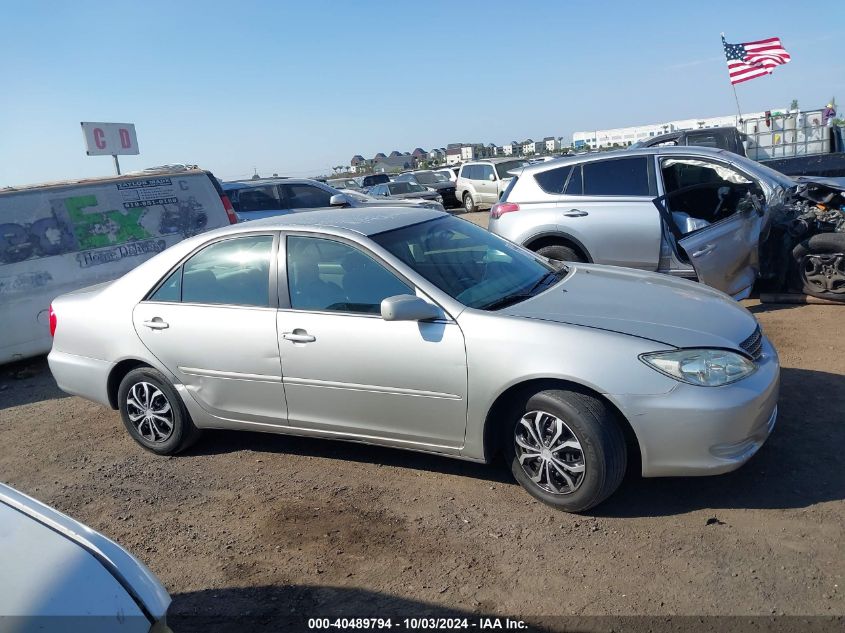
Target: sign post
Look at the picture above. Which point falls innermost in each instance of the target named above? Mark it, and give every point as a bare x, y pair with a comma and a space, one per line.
104, 139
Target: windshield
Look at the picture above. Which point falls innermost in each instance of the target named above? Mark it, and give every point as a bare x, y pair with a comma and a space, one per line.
503, 168
470, 264
441, 177
425, 177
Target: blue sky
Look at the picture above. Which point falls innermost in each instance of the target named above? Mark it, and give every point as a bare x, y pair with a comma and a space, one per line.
295, 88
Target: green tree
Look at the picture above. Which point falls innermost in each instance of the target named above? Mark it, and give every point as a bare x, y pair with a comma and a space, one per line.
794, 104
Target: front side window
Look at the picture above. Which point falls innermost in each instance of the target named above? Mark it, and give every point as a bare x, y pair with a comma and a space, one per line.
467, 262
327, 275
503, 168
231, 272
618, 177
305, 197
259, 199
397, 188
484, 172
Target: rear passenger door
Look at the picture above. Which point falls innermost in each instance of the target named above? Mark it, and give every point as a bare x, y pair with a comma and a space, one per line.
607, 207
486, 184
212, 323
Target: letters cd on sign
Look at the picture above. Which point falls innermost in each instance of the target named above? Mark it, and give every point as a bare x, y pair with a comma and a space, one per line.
109, 139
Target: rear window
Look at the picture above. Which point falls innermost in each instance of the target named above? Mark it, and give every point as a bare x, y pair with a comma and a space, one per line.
508, 189
503, 168
618, 177
554, 180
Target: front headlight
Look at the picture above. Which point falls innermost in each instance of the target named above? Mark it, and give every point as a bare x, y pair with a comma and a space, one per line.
702, 367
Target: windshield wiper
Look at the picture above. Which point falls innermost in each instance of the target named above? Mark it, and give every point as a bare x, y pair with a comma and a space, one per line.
503, 302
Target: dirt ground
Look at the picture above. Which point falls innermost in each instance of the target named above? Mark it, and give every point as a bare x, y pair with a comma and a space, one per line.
286, 528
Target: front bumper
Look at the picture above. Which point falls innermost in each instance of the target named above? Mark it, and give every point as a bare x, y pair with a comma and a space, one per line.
705, 430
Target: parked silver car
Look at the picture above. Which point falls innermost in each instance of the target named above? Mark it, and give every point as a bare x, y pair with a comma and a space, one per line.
415, 329
268, 197
481, 182
60, 576
712, 215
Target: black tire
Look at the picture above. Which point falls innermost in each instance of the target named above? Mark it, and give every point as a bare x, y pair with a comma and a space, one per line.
819, 266
561, 253
182, 433
469, 204
595, 429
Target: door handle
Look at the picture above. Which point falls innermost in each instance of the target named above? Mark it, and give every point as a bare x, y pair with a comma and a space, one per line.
157, 324
704, 251
299, 336
575, 213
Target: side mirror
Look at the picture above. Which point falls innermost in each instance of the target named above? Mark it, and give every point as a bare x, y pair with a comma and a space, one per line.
407, 308
491, 177
339, 200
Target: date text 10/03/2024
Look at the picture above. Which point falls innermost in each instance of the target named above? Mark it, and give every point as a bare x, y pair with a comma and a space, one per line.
417, 624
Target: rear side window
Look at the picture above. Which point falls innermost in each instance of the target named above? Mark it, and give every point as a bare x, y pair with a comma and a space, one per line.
618, 177
553, 180
171, 289
467, 172
231, 272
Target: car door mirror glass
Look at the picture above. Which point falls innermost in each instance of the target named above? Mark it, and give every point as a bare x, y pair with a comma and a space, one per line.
491, 177
407, 308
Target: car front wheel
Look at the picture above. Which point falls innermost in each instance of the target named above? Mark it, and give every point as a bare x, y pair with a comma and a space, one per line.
560, 253
566, 449
820, 266
153, 412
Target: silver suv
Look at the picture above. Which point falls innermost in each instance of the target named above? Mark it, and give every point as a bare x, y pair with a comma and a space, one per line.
680, 210
481, 182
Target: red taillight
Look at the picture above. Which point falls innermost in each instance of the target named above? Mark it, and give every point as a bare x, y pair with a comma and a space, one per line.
53, 321
500, 208
230, 210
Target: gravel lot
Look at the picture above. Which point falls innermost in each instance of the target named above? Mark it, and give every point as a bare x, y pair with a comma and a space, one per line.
293, 528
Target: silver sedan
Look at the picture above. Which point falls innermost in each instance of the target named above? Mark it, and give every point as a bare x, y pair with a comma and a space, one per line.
414, 329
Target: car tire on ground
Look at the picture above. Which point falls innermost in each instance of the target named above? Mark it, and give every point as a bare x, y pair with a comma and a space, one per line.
566, 448
469, 204
819, 266
153, 412
560, 253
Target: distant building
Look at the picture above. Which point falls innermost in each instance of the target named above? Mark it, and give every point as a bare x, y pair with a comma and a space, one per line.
419, 153
453, 155
438, 154
511, 149
393, 164
625, 136
552, 144
468, 152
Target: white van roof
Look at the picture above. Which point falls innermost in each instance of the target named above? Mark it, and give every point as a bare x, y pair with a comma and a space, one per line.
152, 172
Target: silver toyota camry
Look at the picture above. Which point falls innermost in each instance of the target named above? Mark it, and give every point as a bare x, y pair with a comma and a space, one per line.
414, 329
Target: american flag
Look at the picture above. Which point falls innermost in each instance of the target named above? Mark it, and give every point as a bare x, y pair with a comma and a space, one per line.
754, 59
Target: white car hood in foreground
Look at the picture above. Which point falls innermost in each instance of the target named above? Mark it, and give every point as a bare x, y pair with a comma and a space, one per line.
648, 305
60, 575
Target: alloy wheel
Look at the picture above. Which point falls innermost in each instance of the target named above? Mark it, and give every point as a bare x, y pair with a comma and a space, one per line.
150, 412
549, 452
825, 272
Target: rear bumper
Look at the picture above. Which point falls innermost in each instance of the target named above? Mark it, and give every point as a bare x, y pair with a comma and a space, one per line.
81, 376
706, 430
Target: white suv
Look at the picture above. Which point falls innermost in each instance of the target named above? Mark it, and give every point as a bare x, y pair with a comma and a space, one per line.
481, 182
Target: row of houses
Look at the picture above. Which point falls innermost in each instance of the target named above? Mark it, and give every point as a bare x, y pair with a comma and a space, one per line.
452, 154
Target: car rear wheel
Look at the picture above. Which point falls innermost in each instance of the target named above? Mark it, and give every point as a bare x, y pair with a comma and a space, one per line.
469, 205
560, 253
566, 449
820, 266
153, 412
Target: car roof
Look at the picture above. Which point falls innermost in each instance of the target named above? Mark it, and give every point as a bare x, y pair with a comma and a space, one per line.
627, 153
364, 220
494, 161
260, 182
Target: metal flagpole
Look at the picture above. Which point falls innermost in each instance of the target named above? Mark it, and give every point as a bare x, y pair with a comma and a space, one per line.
733, 86
116, 164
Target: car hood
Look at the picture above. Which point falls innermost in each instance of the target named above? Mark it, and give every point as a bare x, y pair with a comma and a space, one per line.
441, 185
652, 306
427, 195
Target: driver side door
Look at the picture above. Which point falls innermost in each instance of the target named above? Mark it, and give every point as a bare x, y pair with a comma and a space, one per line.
349, 373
